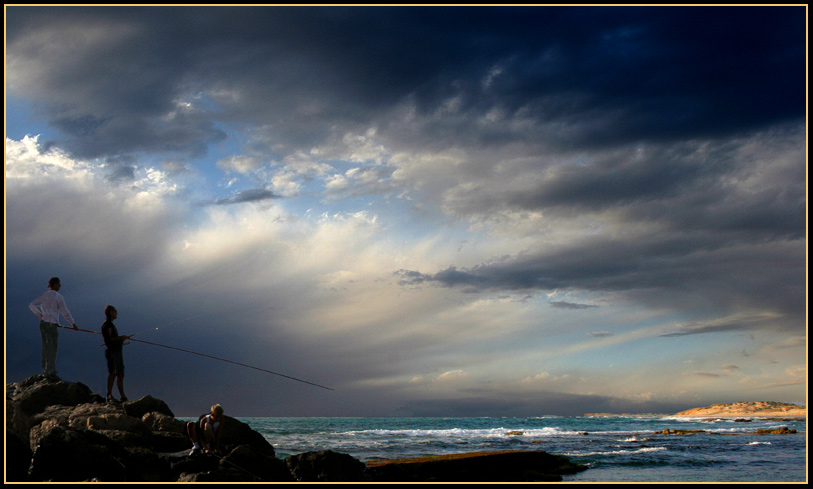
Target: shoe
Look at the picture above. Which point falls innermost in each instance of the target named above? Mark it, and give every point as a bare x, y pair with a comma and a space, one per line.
195, 451
110, 398
123, 399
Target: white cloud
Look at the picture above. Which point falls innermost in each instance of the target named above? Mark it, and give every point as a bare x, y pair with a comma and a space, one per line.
63, 209
25, 160
240, 164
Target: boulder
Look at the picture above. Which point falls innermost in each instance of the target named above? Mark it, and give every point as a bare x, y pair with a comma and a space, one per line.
325, 466
17, 420
60, 431
236, 433
18, 458
258, 464
67, 455
157, 421
118, 422
146, 404
37, 393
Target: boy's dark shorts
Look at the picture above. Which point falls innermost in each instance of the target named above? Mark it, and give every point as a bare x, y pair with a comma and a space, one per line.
115, 362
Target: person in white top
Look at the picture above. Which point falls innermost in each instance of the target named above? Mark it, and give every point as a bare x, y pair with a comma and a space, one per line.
207, 433
48, 307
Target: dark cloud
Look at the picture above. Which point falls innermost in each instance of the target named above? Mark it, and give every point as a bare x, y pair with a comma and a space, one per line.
672, 271
115, 80
570, 305
244, 196
700, 185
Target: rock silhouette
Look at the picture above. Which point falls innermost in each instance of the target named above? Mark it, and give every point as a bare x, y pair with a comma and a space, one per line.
63, 432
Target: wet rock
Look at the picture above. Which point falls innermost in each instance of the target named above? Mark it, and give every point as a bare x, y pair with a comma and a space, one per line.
781, 431
679, 432
506, 466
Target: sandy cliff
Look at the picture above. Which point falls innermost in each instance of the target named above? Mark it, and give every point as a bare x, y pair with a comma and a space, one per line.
745, 409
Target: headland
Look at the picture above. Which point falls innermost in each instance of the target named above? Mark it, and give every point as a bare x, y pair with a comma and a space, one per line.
762, 409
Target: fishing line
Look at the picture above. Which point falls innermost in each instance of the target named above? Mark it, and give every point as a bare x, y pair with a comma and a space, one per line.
232, 362
212, 357
168, 324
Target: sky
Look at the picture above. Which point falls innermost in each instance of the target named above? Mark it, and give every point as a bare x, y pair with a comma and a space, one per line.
433, 211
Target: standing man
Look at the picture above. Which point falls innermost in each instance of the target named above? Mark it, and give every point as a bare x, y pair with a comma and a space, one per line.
48, 307
114, 353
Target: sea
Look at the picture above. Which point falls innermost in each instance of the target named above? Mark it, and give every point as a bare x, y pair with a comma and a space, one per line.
615, 448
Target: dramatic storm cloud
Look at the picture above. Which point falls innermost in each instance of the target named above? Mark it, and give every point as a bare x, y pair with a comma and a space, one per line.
431, 210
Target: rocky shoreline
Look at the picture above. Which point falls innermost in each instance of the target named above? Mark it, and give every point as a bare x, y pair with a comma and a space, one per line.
63, 432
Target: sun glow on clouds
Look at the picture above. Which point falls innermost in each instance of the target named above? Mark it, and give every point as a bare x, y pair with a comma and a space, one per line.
56, 193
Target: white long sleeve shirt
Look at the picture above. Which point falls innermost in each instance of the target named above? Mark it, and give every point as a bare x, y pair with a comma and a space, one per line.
50, 305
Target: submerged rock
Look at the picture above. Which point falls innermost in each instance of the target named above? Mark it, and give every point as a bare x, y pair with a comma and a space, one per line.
780, 431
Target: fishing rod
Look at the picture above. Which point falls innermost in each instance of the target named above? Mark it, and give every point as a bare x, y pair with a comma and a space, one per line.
209, 356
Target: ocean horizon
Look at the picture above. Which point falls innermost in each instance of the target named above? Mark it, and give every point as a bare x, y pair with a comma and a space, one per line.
616, 448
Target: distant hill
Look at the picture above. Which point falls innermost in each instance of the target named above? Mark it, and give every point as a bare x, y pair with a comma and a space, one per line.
759, 408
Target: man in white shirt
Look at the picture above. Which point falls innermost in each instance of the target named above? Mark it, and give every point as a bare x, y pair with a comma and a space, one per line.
48, 307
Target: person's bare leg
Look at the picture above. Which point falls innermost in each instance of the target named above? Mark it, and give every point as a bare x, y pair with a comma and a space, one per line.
209, 436
120, 383
110, 378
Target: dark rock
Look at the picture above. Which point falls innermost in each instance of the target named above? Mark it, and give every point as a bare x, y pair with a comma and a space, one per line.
195, 464
164, 423
60, 431
162, 442
325, 466
236, 433
679, 432
18, 458
258, 465
781, 431
211, 476
39, 392
509, 466
146, 404
67, 455
144, 465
